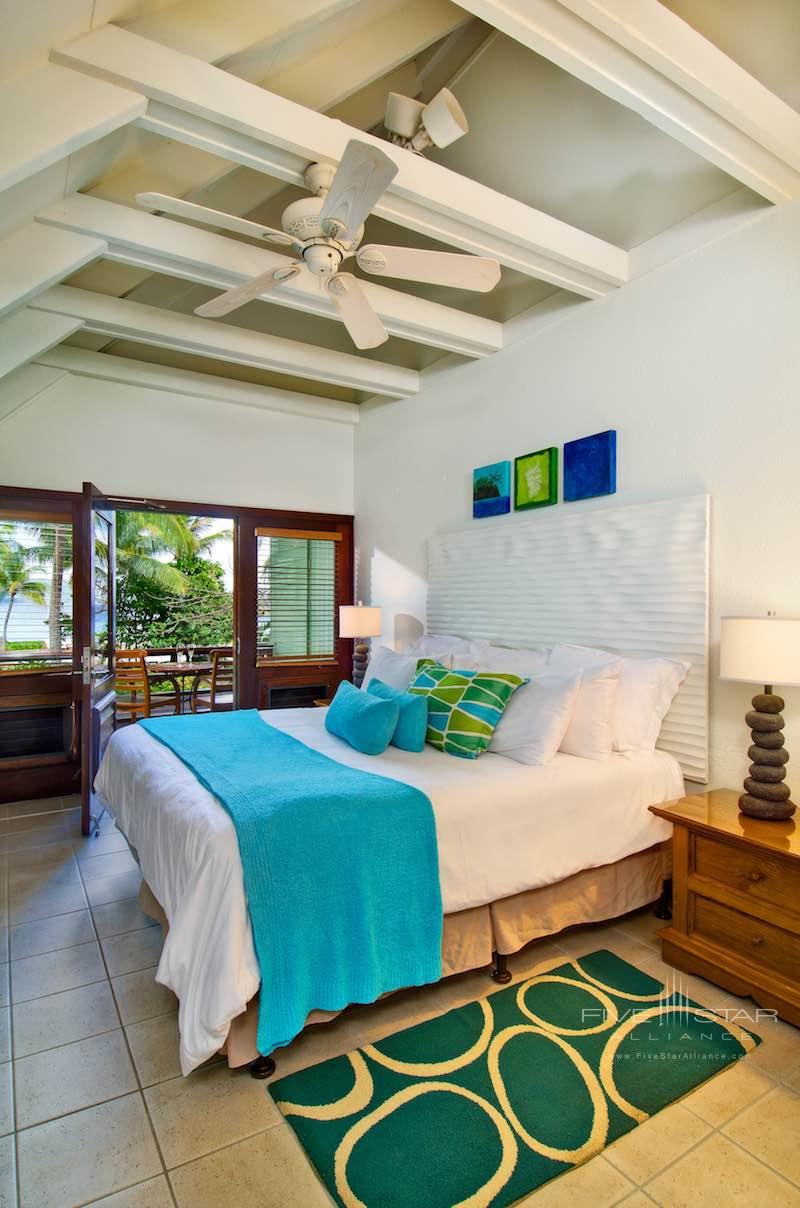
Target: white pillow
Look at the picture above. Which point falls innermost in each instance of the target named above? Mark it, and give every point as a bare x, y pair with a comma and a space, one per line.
536, 718
589, 732
646, 690
396, 670
450, 651
517, 662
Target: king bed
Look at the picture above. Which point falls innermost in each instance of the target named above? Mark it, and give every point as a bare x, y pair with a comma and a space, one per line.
523, 851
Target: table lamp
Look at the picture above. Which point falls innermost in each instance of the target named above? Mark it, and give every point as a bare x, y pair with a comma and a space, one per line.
763, 650
359, 621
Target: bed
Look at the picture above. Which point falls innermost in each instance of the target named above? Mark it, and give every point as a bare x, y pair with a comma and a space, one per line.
572, 818
523, 851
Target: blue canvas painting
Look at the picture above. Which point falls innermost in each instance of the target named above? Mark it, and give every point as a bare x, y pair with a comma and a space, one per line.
590, 466
491, 490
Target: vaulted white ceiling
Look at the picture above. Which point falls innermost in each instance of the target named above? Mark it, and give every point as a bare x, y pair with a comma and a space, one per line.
606, 137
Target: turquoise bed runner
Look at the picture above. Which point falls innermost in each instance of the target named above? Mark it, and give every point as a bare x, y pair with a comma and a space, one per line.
340, 867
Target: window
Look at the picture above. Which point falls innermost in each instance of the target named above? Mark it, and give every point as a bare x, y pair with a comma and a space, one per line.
296, 594
35, 592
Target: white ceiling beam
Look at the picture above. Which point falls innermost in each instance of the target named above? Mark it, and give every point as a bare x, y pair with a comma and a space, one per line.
643, 56
51, 112
36, 257
27, 333
215, 31
165, 246
196, 103
142, 324
335, 72
109, 368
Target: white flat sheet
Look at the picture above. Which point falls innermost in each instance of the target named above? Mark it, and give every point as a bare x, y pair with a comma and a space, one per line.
501, 827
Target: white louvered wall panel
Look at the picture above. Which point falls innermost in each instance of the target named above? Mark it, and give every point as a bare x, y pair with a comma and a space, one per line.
631, 579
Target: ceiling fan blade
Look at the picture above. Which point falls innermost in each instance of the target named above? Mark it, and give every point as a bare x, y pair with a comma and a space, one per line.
232, 299
436, 268
364, 326
361, 178
218, 218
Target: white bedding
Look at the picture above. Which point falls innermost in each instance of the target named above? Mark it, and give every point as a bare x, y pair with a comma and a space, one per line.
501, 828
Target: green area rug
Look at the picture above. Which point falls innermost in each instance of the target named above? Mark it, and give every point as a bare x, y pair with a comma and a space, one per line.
480, 1106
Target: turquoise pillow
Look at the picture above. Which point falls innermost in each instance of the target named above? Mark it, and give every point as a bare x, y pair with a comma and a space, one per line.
409, 734
363, 721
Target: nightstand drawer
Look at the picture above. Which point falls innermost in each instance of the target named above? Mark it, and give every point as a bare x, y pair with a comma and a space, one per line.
757, 941
750, 871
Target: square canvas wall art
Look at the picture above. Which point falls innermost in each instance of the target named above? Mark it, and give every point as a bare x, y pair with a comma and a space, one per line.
536, 479
491, 490
590, 466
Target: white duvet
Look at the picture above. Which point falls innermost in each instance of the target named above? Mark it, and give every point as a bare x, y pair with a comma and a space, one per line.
501, 828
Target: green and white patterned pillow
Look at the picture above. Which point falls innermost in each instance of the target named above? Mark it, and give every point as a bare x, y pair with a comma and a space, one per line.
463, 706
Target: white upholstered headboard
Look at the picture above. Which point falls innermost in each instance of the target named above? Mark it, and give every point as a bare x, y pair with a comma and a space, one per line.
630, 579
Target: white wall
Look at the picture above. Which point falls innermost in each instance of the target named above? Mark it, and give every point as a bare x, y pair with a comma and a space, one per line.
697, 366
137, 441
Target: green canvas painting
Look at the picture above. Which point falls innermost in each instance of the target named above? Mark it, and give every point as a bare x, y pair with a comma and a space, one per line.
536, 479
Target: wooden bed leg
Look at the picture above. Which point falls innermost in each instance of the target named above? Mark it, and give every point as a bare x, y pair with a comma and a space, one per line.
500, 970
663, 908
262, 1067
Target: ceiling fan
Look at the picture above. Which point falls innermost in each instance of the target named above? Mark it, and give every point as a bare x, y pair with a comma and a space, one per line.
326, 229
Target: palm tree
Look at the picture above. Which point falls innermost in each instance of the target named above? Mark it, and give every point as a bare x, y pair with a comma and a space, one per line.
16, 569
140, 537
54, 549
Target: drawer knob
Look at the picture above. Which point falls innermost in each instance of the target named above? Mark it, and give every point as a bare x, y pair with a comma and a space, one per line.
756, 876
757, 940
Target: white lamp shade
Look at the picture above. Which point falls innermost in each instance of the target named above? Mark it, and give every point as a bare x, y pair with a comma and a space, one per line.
359, 621
760, 650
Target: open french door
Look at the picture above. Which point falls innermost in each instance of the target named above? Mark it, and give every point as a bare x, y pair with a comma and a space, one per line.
95, 575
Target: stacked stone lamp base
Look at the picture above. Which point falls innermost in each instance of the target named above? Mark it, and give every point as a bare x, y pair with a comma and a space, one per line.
766, 793
360, 660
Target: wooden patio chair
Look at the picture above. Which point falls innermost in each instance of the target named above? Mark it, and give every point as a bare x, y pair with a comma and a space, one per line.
132, 685
215, 693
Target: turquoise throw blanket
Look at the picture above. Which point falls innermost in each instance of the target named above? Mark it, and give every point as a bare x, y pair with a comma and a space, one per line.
340, 867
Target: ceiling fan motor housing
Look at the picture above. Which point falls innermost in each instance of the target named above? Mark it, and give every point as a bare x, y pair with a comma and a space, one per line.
323, 257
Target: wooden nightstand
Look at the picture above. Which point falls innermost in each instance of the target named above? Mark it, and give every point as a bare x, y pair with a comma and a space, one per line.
736, 911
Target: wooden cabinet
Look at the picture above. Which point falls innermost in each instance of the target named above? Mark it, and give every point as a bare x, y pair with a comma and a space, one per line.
736, 913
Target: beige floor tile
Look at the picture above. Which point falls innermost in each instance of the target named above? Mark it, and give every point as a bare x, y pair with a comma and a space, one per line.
46, 1023
133, 950
155, 1193
35, 976
4, 940
717, 1174
5, 1034
139, 996
236, 1176
87, 847
769, 1129
719, 1099
6, 1098
644, 927
536, 956
31, 809
154, 1045
5, 986
91, 1153
47, 935
42, 874
114, 889
30, 903
8, 1173
74, 1076
647, 1149
115, 918
54, 833
779, 1054
112, 864
637, 1200
596, 1184
212, 1108
591, 939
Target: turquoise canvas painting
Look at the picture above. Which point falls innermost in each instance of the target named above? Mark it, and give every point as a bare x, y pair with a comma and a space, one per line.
491, 490
590, 466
